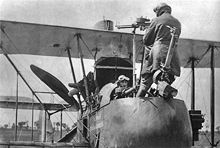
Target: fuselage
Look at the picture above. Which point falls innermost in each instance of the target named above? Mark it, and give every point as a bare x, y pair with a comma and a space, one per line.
140, 123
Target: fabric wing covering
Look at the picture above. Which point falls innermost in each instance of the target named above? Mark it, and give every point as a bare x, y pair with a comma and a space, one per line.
47, 40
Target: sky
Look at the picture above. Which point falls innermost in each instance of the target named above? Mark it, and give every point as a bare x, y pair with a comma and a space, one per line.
199, 18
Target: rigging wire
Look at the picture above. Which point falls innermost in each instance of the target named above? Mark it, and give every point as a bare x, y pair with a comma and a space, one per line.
15, 47
207, 139
11, 42
202, 56
177, 83
215, 56
20, 134
187, 90
63, 110
87, 46
200, 84
17, 61
23, 67
183, 80
188, 83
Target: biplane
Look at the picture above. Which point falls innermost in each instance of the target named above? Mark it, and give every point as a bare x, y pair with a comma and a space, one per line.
103, 121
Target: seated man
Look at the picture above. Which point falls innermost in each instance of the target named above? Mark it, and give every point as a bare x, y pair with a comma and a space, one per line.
122, 87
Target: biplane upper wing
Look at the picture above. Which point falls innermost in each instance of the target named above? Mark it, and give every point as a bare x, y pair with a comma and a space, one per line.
37, 39
200, 51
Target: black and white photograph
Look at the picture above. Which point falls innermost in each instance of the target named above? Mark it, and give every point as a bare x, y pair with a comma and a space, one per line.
109, 74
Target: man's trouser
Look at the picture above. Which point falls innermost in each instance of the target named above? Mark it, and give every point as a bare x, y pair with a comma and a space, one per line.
146, 82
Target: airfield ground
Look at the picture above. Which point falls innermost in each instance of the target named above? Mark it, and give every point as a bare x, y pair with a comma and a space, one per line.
25, 135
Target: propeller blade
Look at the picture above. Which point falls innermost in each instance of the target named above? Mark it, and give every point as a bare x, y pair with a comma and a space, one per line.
69, 136
56, 85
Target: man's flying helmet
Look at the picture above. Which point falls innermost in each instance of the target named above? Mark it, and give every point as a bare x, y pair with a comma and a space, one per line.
161, 8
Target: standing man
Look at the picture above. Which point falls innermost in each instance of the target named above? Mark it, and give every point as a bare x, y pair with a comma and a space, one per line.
158, 36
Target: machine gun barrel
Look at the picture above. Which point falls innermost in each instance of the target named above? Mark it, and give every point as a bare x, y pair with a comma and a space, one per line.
127, 26
140, 22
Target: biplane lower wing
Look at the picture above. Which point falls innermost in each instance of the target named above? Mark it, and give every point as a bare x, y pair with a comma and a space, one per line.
48, 40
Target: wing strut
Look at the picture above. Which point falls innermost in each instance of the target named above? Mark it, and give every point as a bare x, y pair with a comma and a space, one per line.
194, 113
211, 48
16, 69
78, 36
192, 59
134, 56
212, 96
18, 73
16, 110
73, 74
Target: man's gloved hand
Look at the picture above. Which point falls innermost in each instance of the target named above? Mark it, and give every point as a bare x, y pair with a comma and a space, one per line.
72, 92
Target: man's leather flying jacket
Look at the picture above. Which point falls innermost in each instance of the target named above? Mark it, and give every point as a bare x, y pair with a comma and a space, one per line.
158, 36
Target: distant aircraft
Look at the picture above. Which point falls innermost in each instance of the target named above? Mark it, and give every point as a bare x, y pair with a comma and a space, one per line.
103, 122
